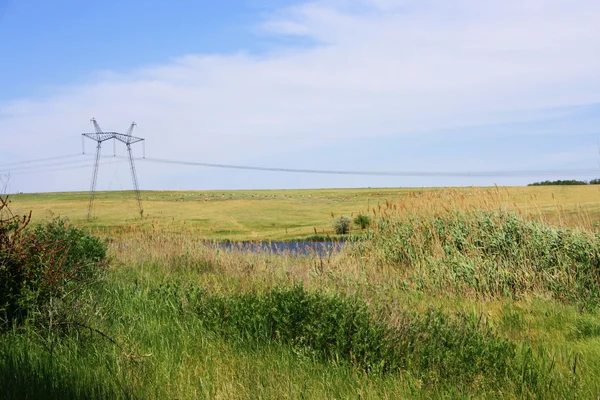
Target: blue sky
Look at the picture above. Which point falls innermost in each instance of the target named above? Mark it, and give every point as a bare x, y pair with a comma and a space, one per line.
393, 85
55, 43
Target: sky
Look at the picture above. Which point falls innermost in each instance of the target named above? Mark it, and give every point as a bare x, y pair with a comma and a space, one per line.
367, 85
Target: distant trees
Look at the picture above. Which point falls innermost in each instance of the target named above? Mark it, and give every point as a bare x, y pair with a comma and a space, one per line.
565, 182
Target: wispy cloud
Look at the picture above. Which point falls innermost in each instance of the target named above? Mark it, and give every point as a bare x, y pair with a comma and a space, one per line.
378, 68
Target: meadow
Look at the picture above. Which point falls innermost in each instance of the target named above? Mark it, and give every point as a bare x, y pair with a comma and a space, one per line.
284, 214
450, 293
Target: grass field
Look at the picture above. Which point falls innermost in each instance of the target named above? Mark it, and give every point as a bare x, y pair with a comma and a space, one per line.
451, 293
284, 214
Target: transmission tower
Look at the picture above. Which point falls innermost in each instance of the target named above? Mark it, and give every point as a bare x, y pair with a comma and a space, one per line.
99, 136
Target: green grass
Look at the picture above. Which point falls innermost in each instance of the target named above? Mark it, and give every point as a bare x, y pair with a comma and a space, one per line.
175, 344
449, 295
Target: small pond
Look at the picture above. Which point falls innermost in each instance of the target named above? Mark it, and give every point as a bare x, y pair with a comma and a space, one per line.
297, 248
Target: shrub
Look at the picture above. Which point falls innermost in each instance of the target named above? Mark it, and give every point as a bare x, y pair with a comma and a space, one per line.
432, 346
342, 225
362, 220
43, 265
491, 253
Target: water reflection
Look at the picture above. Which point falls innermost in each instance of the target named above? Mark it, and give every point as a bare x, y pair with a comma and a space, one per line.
296, 248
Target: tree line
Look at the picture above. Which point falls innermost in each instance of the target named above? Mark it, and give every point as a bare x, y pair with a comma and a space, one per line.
565, 182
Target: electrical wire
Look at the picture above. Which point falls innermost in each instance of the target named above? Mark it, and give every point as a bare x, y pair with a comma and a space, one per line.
68, 165
44, 170
40, 160
586, 172
45, 165
38, 166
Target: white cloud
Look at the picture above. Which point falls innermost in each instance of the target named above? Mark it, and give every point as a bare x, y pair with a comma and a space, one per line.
379, 68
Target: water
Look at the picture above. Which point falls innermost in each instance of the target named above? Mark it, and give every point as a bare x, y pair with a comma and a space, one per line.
296, 248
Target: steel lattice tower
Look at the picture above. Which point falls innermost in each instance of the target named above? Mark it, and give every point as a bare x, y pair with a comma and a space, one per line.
99, 136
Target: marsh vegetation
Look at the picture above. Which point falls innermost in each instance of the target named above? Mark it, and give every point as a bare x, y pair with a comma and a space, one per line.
447, 293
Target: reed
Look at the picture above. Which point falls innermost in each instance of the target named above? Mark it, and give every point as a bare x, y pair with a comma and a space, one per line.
450, 293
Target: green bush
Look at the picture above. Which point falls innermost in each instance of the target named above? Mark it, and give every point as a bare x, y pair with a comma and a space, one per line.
341, 225
491, 253
363, 221
431, 346
43, 265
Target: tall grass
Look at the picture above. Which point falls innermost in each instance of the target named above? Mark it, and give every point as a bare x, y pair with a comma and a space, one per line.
449, 295
177, 340
430, 346
490, 253
72, 367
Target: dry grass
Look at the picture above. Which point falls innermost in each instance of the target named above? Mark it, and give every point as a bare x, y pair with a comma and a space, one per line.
281, 214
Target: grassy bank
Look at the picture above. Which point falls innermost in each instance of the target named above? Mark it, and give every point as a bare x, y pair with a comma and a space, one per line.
448, 295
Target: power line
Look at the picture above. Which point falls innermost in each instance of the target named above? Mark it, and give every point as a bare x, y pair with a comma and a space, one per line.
44, 170
38, 166
45, 165
40, 160
455, 174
